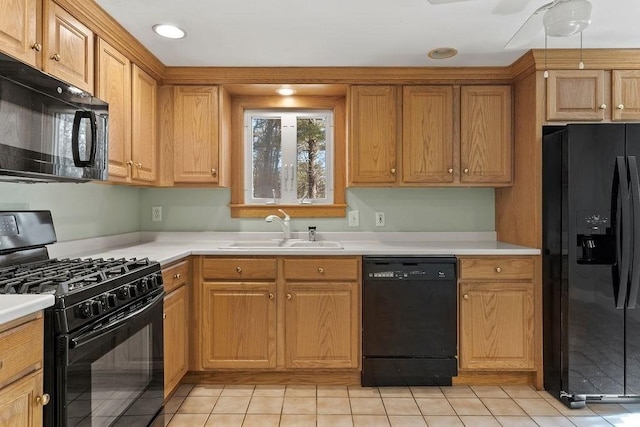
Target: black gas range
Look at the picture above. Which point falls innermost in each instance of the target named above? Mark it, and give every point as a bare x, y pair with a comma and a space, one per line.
103, 336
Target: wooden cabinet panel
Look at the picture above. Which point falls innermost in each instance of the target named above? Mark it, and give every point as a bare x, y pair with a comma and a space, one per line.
427, 137
175, 276
239, 268
576, 95
18, 36
18, 405
322, 325
68, 47
113, 77
625, 94
196, 154
496, 268
238, 325
496, 326
143, 127
21, 351
373, 145
320, 269
176, 341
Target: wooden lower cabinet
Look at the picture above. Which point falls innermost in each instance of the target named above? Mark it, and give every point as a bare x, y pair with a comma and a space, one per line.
19, 403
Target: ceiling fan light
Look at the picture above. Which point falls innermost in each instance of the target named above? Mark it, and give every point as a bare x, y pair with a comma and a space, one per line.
567, 18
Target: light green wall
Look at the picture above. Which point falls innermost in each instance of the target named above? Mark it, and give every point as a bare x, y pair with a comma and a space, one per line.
79, 210
406, 209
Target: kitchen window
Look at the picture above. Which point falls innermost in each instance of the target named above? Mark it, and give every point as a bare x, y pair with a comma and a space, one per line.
288, 157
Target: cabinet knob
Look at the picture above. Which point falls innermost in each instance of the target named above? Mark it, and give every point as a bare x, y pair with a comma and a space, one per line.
271, 296
37, 47
288, 296
320, 270
239, 269
130, 163
465, 296
498, 269
603, 106
43, 400
164, 315
56, 57
465, 170
138, 165
393, 171
214, 172
176, 276
450, 170
620, 107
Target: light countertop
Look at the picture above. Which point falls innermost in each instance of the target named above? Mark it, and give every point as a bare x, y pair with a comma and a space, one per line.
15, 306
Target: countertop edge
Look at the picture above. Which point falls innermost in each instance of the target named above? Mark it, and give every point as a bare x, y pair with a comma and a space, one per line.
13, 307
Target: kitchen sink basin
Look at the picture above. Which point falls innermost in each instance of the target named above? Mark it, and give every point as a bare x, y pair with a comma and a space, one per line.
284, 244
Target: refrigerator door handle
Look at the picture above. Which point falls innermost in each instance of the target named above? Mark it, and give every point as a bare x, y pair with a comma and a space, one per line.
623, 244
635, 200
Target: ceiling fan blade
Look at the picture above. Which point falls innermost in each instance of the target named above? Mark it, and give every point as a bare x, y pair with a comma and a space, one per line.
508, 7
445, 1
529, 29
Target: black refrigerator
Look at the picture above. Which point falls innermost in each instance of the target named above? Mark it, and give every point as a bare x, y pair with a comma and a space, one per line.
591, 262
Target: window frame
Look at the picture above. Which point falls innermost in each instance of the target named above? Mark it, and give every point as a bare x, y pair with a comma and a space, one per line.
239, 104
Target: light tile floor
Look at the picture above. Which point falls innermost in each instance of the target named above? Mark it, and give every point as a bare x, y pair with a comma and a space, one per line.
337, 406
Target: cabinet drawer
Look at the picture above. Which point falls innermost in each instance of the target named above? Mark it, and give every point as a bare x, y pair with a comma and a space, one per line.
239, 268
496, 268
321, 269
22, 350
175, 275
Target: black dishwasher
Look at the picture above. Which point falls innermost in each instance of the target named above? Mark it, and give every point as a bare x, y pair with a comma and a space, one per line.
409, 321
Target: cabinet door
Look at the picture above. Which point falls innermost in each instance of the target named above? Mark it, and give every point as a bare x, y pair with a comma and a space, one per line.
485, 134
68, 47
18, 37
196, 146
322, 325
496, 326
576, 95
143, 126
21, 402
373, 145
427, 134
113, 78
625, 94
176, 332
238, 325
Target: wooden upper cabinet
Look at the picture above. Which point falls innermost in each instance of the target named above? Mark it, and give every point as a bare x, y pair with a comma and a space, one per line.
68, 47
486, 134
196, 147
113, 76
143, 127
576, 95
625, 94
374, 135
18, 30
427, 137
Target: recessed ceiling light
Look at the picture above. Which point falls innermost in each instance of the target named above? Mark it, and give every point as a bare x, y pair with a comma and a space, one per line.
169, 31
442, 53
285, 91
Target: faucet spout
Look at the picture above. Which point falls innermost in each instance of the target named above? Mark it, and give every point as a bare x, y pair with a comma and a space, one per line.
284, 223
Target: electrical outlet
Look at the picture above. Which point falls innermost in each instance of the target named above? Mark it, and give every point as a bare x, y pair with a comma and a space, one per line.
156, 213
380, 220
354, 218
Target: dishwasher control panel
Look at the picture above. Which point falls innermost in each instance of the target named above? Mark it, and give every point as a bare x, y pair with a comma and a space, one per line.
409, 268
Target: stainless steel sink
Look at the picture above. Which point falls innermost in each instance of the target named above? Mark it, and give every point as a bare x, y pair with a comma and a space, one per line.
284, 244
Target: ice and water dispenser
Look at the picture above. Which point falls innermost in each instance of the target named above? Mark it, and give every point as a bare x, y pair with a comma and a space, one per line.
595, 238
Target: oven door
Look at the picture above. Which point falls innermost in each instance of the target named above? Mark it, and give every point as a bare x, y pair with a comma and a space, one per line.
112, 373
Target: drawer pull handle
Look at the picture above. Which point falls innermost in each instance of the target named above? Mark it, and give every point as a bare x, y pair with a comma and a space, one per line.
289, 296
271, 296
498, 270
43, 400
465, 296
239, 269
320, 270
176, 276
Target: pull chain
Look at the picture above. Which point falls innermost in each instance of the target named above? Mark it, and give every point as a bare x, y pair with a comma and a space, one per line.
581, 64
546, 73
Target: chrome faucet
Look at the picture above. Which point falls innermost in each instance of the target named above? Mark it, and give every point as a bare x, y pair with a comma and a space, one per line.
284, 223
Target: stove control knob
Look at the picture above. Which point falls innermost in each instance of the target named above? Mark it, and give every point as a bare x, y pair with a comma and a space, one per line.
159, 280
133, 291
111, 300
123, 293
143, 285
85, 311
96, 307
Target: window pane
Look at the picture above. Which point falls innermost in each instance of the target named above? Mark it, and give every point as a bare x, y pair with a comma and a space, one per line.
312, 158
267, 157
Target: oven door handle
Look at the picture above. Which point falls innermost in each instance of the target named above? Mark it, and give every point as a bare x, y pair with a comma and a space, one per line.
94, 334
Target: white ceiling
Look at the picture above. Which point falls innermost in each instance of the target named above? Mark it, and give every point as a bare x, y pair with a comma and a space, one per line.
356, 32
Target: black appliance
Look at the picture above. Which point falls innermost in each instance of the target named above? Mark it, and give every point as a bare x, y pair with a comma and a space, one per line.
103, 355
591, 262
50, 131
409, 321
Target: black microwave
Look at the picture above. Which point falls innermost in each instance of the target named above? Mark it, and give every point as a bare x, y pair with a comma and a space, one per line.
49, 130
